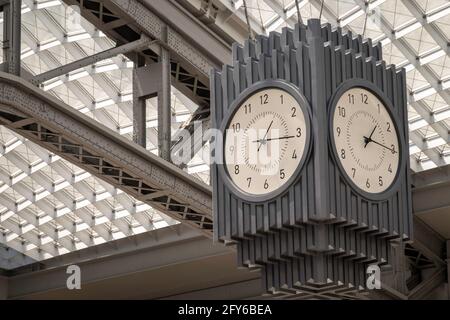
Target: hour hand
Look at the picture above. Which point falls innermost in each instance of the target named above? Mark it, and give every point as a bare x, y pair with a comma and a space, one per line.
367, 140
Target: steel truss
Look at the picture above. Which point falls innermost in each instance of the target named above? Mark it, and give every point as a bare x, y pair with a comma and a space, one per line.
125, 20
84, 142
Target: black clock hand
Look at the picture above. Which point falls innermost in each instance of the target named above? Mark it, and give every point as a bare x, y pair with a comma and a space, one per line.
264, 138
376, 142
367, 140
278, 138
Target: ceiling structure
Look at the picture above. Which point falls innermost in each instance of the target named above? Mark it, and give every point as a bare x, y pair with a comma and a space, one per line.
415, 34
49, 207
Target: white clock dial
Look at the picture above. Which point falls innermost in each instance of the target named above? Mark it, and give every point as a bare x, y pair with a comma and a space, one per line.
265, 141
366, 140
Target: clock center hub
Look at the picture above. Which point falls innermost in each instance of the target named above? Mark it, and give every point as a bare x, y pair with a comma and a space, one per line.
360, 145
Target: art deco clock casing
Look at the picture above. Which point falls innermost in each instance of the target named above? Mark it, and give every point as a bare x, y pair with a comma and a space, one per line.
323, 216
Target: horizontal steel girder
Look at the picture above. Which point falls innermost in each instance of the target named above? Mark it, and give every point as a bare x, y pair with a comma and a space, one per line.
86, 143
137, 45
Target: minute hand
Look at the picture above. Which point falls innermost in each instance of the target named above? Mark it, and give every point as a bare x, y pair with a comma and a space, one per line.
376, 142
278, 138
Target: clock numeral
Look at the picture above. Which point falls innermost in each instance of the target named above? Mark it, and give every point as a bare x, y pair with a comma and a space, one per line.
282, 174
351, 98
390, 168
248, 108
231, 148
249, 179
338, 130
282, 97
341, 111
378, 105
364, 98
293, 111
236, 127
342, 153
380, 181
354, 171
294, 155
236, 169
264, 98
266, 185
299, 132
367, 183
393, 149
388, 127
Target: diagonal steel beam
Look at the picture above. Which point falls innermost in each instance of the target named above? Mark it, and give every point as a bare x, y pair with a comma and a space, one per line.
190, 64
59, 128
189, 67
183, 24
137, 45
233, 10
424, 70
288, 15
437, 36
404, 48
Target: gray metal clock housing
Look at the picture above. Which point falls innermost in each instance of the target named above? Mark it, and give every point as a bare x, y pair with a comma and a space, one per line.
319, 231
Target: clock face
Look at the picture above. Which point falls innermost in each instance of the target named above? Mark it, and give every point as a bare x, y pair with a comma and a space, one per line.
366, 140
265, 141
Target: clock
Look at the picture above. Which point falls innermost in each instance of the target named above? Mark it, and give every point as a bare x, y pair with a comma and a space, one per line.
266, 139
295, 223
365, 139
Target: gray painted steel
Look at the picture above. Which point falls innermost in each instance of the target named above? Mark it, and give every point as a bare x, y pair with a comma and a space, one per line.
126, 20
12, 15
165, 238
164, 102
137, 45
139, 94
191, 30
321, 232
105, 154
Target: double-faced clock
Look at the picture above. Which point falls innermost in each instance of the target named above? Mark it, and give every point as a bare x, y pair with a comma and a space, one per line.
314, 179
365, 138
266, 139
